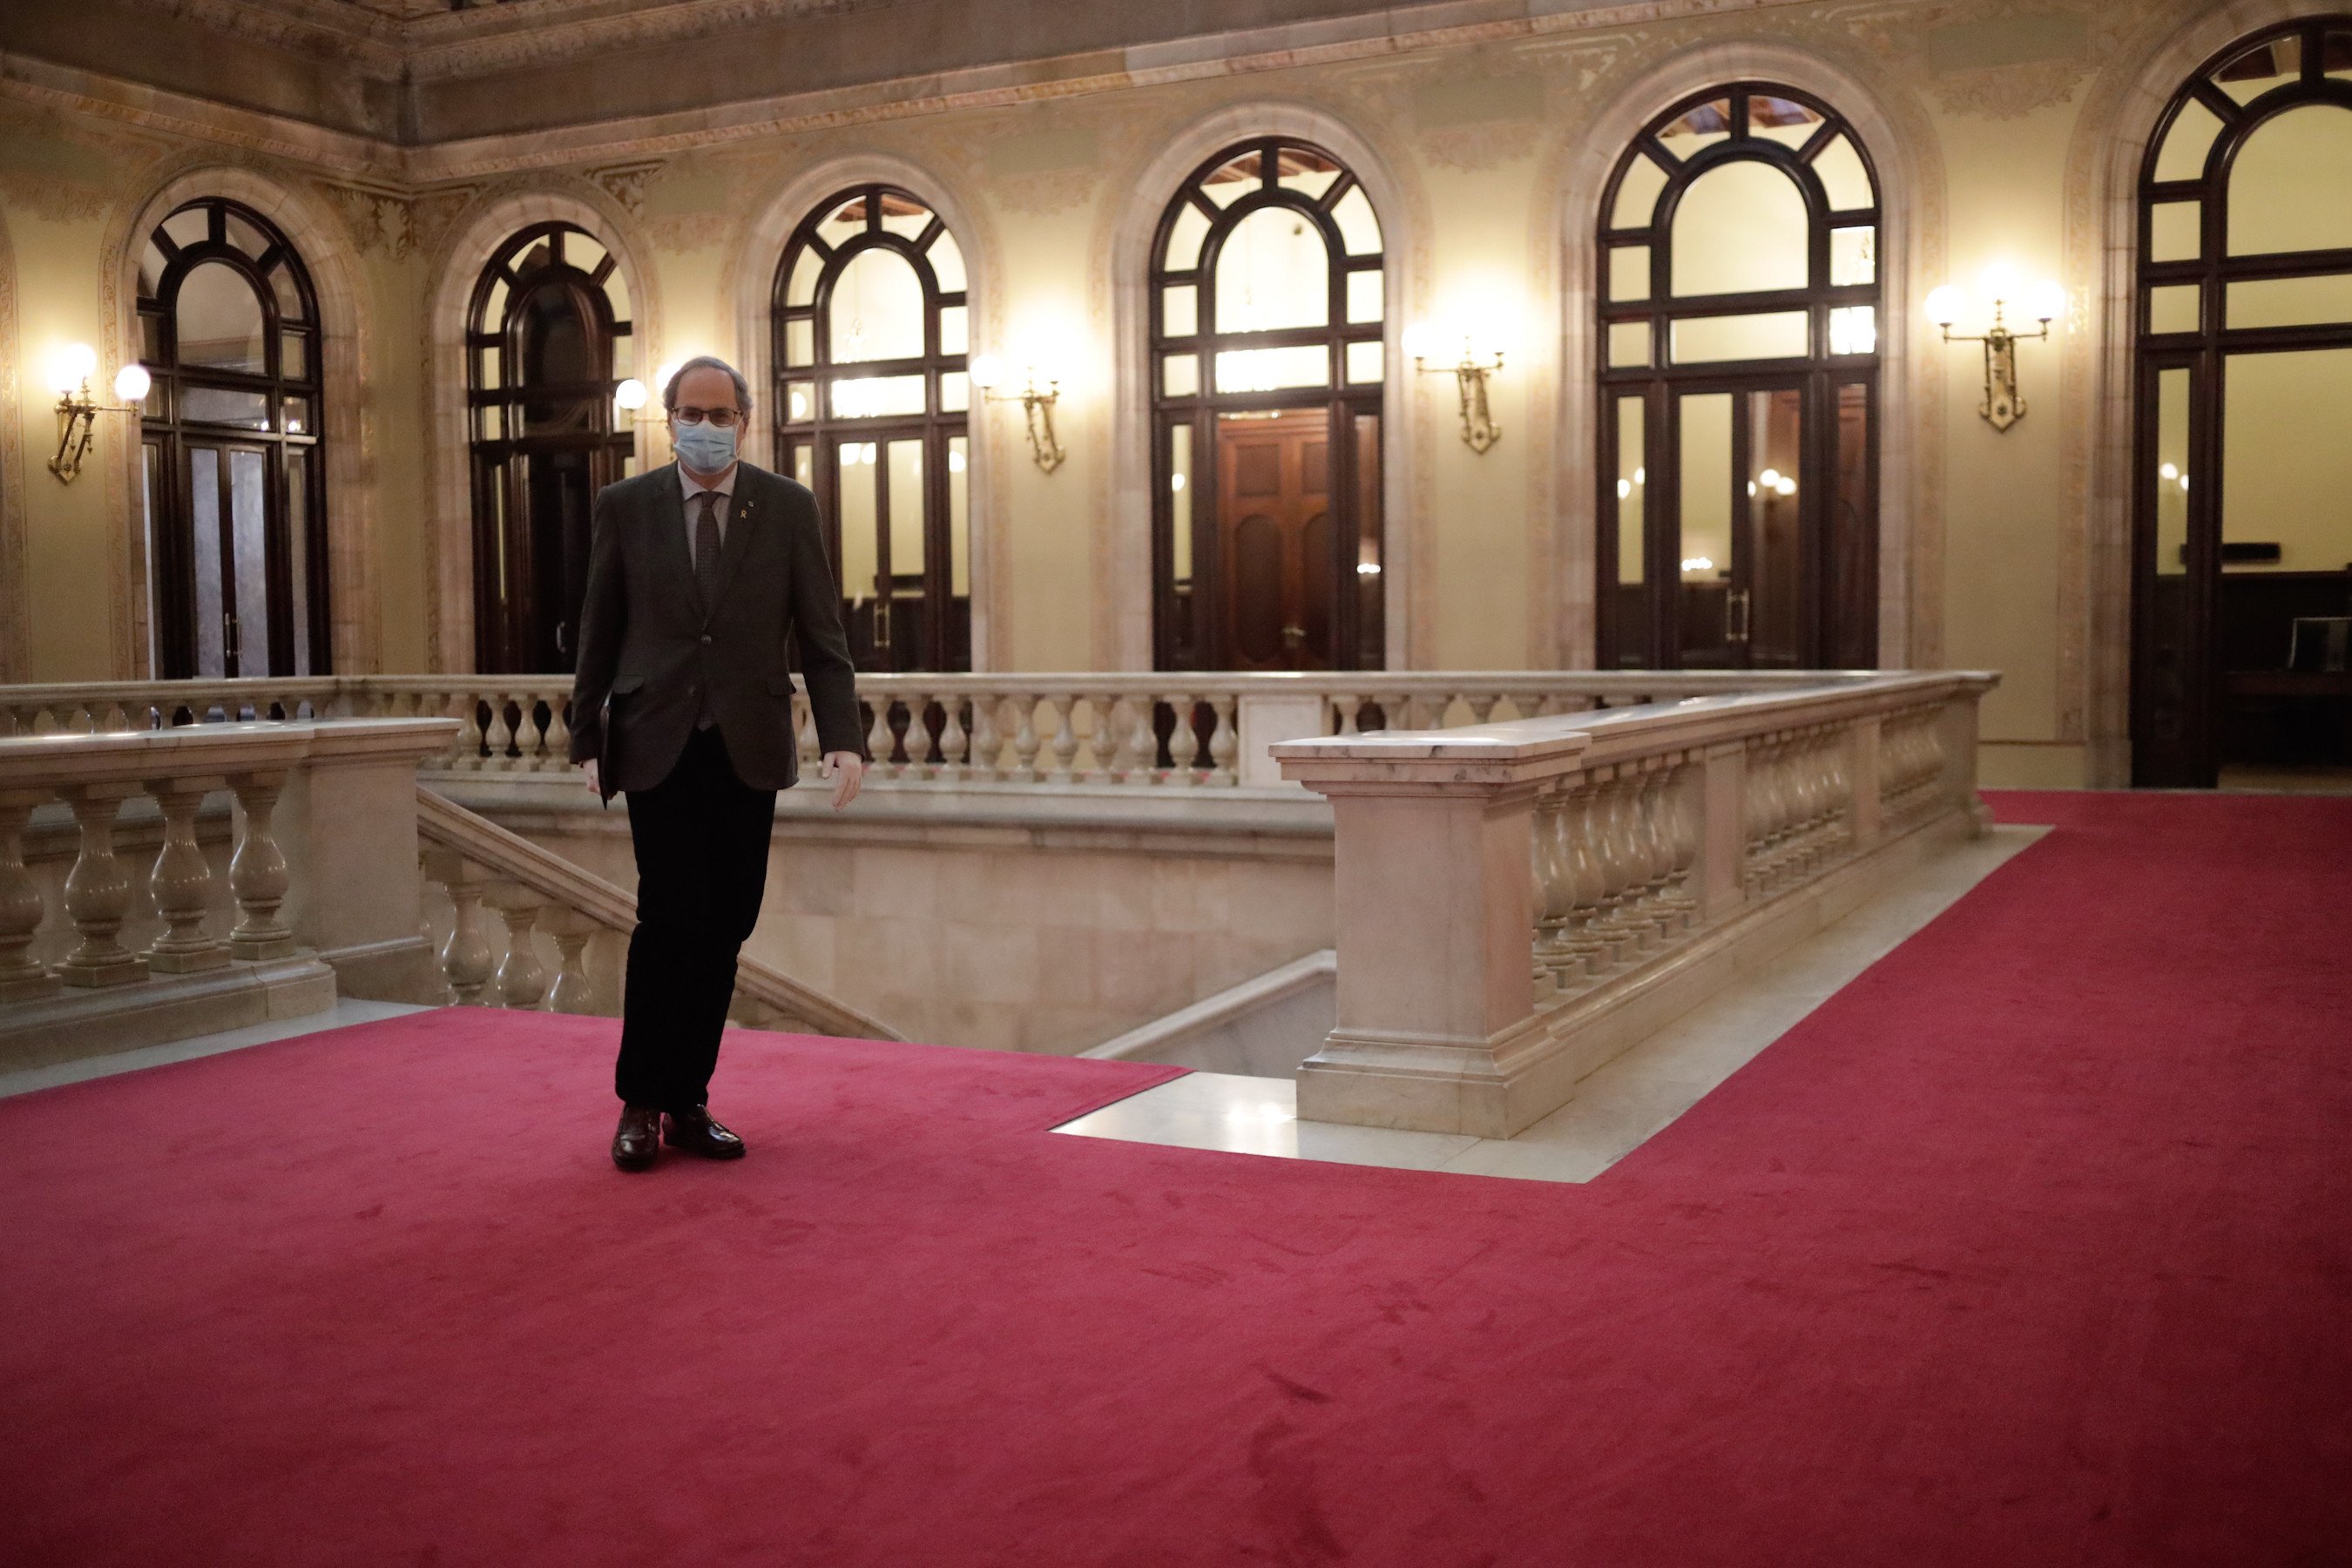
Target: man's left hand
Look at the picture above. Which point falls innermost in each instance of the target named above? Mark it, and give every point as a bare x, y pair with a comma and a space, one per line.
847, 771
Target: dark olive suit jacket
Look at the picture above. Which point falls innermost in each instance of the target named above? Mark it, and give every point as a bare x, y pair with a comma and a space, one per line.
651, 650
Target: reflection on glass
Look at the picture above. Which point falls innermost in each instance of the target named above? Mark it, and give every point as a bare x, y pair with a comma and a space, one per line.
1702, 127
954, 330
955, 392
2288, 183
298, 550
946, 257
213, 406
1853, 330
1270, 370
1852, 532
1179, 500
192, 226
905, 467
876, 310
1781, 120
874, 397
861, 562
248, 504
806, 270
1854, 256
2261, 69
1632, 484
1371, 593
2172, 473
293, 357
211, 609
1703, 529
1702, 339
2287, 469
1772, 618
219, 320
1273, 271
1740, 228
959, 518
1360, 229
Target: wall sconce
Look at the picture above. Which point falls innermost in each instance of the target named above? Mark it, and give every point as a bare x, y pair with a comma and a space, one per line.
77, 411
1037, 407
1479, 431
2003, 404
630, 397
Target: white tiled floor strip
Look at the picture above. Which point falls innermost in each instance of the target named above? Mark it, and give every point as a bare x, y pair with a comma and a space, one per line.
347, 1011
1617, 1109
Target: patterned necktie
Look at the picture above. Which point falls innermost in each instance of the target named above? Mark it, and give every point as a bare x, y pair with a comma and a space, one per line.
706, 550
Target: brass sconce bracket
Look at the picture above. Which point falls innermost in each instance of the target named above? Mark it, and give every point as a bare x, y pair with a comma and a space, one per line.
1037, 410
78, 414
2003, 404
1479, 431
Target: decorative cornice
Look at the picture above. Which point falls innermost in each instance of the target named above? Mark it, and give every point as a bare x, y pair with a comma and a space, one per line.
336, 28
490, 39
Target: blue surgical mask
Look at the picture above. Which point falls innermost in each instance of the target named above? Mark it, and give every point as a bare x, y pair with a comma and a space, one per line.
704, 446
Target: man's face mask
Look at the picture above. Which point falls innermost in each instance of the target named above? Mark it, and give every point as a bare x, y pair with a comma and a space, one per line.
705, 447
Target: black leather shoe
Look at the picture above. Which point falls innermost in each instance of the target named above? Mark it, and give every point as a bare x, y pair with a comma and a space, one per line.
696, 1132
637, 1142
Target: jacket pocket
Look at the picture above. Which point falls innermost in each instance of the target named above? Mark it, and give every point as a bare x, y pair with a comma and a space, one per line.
627, 684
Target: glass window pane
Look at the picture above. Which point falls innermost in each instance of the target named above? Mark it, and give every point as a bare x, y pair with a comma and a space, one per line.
218, 318
1364, 363
873, 396
1638, 193
1853, 526
243, 235
2288, 184
1629, 272
2182, 156
1841, 174
581, 251
1853, 330
1700, 339
1703, 528
293, 356
905, 218
151, 339
959, 518
954, 330
485, 370
1269, 370
955, 392
1371, 597
1702, 127
844, 224
2286, 466
616, 295
2172, 481
1273, 271
2261, 69
1628, 345
906, 463
1237, 177
800, 402
1307, 173
249, 507
2172, 309
1740, 228
1366, 298
800, 341
289, 294
491, 423
298, 551
1854, 257
2175, 231
2290, 301
297, 415
1180, 311
860, 540
214, 406
804, 463
1632, 483
1772, 618
1782, 120
877, 309
1360, 227
807, 266
203, 497
1179, 500
151, 271
1179, 375
494, 306
1184, 238
192, 225
946, 257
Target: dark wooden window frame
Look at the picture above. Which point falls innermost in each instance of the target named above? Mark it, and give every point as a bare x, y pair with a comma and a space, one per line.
822, 432
492, 454
1207, 647
164, 431
1820, 373
2203, 353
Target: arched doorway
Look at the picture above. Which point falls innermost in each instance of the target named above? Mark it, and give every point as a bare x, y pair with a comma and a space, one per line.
548, 341
2241, 473
232, 477
1738, 332
1267, 300
872, 323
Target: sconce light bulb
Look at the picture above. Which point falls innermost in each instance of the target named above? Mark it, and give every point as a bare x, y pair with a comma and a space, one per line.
987, 372
1624, 490
1175, 482
630, 395
1999, 283
2168, 471
2046, 300
1641, 476
131, 384
1785, 487
1770, 477
70, 367
1944, 305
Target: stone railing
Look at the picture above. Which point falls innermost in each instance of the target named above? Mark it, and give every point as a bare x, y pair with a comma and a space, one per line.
321, 810
1519, 902
483, 869
1207, 730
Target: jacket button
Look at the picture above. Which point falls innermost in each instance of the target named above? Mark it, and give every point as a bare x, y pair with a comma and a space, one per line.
706, 638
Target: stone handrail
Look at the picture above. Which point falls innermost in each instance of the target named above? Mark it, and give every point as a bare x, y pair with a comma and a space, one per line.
477, 863
1113, 728
320, 808
1518, 901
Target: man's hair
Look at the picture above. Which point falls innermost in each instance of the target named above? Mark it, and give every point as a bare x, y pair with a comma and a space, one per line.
707, 362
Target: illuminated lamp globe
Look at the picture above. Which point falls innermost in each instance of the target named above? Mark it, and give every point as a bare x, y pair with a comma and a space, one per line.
131, 384
630, 395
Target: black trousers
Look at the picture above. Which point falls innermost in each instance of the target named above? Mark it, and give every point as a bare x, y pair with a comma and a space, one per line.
701, 838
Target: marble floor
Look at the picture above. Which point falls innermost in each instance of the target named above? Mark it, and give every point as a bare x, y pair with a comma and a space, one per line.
345, 1012
1618, 1108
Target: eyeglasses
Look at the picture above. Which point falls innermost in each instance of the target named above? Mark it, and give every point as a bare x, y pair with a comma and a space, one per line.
723, 418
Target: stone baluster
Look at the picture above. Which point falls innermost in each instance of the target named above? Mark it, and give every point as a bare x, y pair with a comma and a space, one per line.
1066, 738
1143, 741
522, 977
527, 734
1650, 818
559, 733
1613, 926
99, 890
1224, 741
922, 755
1587, 942
1024, 741
1344, 708
804, 733
1183, 741
1107, 741
467, 960
257, 873
497, 736
181, 881
470, 739
954, 740
1481, 706
20, 903
987, 745
879, 741
1683, 833
1753, 826
1634, 897
573, 992
1554, 877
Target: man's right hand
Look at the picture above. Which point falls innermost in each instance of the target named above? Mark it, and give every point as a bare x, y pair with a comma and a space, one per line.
595, 783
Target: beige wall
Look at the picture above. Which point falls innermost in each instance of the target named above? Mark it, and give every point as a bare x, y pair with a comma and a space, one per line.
1475, 133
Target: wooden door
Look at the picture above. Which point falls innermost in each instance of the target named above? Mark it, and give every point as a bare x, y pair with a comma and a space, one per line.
1275, 539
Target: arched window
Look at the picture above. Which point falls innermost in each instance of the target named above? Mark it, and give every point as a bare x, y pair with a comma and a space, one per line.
1267, 298
233, 480
2241, 525
1738, 333
871, 325
547, 340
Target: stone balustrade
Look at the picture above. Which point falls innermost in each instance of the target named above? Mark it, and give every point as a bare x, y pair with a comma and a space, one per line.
1186, 730
1518, 901
302, 905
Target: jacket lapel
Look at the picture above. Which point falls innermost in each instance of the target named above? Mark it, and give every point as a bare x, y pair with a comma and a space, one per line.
669, 534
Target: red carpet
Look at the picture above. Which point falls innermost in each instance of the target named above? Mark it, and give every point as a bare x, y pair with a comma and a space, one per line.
2034, 1247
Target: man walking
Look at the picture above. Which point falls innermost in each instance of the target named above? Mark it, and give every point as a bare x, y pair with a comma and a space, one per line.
698, 575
